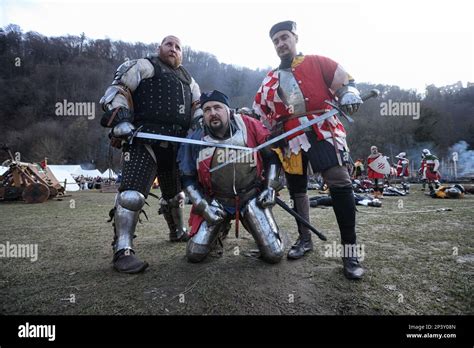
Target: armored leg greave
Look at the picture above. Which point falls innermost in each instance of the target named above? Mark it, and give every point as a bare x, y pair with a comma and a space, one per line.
128, 207
262, 226
173, 212
200, 245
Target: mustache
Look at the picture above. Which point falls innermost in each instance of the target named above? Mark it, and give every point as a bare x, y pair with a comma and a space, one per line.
212, 118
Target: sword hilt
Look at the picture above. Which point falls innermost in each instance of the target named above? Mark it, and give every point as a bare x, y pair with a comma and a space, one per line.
373, 93
342, 113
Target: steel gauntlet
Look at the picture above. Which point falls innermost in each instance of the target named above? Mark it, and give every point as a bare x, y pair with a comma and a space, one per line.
349, 99
212, 213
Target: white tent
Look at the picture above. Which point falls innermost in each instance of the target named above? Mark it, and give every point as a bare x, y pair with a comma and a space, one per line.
108, 172
74, 169
63, 174
90, 173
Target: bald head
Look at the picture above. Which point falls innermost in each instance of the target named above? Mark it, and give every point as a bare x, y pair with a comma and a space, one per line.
170, 37
170, 51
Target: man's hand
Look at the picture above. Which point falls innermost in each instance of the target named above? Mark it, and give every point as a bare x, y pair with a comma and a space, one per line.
266, 199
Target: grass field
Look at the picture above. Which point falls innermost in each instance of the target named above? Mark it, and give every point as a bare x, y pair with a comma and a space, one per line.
418, 261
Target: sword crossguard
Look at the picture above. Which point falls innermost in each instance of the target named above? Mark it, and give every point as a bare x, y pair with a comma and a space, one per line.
342, 113
134, 134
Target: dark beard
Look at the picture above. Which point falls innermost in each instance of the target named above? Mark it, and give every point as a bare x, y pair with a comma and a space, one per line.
232, 126
174, 64
216, 129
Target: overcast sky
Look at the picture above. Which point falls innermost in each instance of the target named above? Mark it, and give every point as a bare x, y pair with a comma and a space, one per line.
406, 43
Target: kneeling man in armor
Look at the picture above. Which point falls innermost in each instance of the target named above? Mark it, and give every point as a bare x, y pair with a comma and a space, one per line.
244, 190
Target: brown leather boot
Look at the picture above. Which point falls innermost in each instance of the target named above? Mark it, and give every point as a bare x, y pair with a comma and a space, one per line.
304, 243
125, 261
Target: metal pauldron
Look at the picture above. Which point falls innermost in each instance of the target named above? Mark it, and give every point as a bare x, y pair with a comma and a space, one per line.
123, 68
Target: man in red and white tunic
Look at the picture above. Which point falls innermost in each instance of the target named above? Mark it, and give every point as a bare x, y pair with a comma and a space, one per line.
375, 175
430, 170
402, 170
299, 87
422, 172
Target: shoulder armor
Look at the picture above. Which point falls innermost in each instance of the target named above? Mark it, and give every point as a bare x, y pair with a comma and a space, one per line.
123, 68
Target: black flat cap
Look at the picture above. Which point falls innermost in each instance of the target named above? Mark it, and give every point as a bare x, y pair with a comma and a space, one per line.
214, 96
286, 25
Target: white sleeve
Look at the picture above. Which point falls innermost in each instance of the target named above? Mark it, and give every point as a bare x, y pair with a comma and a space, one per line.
195, 91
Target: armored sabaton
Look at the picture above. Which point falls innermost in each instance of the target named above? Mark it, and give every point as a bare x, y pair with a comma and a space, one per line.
234, 190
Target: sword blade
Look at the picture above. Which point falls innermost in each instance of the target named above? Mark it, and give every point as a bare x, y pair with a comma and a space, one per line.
162, 137
280, 137
371, 94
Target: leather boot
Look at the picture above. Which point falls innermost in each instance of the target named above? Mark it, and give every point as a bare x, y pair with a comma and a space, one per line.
432, 190
125, 261
352, 268
304, 243
300, 248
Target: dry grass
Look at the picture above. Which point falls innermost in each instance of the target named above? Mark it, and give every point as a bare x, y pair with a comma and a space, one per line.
409, 256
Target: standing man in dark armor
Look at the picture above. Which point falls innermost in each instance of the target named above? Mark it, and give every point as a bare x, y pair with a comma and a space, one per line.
155, 95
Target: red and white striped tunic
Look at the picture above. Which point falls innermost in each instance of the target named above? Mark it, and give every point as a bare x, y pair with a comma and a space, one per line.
318, 78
